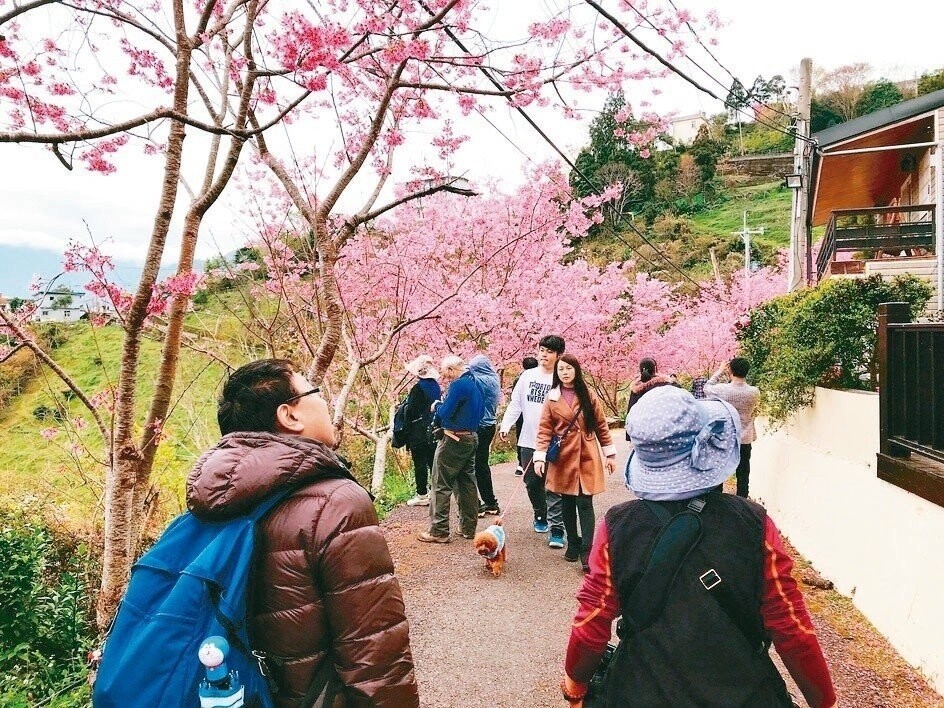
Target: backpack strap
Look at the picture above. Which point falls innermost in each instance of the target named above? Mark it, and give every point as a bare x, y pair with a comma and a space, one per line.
325, 685
677, 538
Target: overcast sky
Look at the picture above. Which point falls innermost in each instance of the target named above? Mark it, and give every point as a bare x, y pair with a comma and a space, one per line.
43, 205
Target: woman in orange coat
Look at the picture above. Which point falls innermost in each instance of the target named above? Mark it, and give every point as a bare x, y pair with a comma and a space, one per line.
575, 413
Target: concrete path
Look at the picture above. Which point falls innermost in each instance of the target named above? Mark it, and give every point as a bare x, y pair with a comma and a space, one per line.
484, 641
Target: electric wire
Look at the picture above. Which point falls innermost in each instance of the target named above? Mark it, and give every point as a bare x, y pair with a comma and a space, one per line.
703, 70
671, 67
540, 131
723, 67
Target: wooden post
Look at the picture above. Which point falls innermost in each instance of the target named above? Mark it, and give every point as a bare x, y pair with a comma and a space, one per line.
888, 313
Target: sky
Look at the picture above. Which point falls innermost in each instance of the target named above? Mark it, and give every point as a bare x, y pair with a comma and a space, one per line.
43, 205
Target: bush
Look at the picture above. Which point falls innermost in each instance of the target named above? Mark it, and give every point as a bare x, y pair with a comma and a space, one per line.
824, 336
46, 627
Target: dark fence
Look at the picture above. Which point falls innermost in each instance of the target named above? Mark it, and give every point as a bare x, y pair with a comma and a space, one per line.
911, 402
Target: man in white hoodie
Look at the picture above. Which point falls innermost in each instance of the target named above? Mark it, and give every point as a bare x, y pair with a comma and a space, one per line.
527, 401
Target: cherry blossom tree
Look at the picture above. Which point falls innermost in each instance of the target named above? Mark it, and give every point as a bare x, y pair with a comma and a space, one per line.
362, 75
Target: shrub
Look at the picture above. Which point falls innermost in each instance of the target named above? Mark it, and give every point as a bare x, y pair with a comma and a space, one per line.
46, 627
824, 336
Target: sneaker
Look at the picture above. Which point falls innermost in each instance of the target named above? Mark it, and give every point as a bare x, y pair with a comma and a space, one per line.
557, 539
519, 471
572, 553
540, 526
585, 562
489, 509
467, 536
418, 500
427, 537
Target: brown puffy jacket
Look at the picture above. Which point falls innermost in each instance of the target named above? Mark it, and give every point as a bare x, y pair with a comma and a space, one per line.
323, 588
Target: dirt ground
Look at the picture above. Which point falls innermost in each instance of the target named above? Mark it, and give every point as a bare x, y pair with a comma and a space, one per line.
499, 642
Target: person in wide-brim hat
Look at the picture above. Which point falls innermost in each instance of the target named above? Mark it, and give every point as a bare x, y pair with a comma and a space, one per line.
422, 367
716, 598
682, 446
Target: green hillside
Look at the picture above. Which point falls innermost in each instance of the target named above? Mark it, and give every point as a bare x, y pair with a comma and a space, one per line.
687, 240
64, 469
767, 204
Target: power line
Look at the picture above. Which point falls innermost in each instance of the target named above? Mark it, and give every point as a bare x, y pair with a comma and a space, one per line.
671, 67
517, 147
723, 67
497, 84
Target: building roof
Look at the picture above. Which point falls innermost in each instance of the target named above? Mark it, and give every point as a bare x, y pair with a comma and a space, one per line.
879, 119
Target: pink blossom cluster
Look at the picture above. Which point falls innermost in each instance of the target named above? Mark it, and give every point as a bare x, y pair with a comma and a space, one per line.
164, 292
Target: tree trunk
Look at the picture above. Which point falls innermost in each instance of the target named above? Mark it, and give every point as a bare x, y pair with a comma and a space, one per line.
334, 309
121, 477
380, 456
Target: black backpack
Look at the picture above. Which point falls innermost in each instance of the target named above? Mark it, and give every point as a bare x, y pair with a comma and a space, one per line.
401, 428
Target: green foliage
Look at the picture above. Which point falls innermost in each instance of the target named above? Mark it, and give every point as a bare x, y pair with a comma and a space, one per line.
46, 627
761, 91
823, 116
824, 336
673, 181
761, 140
879, 95
706, 152
931, 82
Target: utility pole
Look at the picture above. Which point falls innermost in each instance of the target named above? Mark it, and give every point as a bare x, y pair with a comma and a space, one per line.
745, 234
799, 233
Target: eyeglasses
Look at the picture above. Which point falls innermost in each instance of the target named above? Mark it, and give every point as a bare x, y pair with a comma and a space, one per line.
316, 389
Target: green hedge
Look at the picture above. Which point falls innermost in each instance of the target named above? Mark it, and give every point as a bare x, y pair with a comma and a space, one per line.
46, 628
822, 336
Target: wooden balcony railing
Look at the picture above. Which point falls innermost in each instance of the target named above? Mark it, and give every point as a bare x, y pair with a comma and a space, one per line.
883, 229
911, 402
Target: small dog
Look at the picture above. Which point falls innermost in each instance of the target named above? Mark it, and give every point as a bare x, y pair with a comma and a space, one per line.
490, 544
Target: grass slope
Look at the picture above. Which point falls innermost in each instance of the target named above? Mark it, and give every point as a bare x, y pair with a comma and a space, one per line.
66, 470
767, 204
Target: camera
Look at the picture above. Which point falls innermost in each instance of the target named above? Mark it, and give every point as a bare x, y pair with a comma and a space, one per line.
596, 690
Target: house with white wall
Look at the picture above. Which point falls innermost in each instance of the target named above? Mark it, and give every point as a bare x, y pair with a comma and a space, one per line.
59, 305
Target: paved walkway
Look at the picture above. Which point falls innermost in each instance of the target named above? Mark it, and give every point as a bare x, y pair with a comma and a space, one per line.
497, 642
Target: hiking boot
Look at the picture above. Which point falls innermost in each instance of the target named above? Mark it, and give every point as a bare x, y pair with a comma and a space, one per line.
557, 539
419, 500
518, 471
489, 509
540, 526
427, 537
466, 536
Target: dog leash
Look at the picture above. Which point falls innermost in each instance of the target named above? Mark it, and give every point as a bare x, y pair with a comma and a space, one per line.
500, 519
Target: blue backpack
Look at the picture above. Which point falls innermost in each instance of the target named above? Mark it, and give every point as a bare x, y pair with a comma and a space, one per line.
191, 585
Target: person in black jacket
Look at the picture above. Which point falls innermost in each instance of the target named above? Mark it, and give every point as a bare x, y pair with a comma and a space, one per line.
419, 415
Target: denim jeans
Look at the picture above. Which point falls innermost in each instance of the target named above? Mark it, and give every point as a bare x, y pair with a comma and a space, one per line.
546, 505
453, 473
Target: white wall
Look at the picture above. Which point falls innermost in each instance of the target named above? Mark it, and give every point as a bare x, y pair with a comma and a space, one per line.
878, 543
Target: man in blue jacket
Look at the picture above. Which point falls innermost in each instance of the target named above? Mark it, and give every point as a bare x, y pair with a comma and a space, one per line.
459, 415
490, 385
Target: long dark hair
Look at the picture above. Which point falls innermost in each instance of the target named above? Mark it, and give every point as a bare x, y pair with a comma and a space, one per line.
580, 388
647, 369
